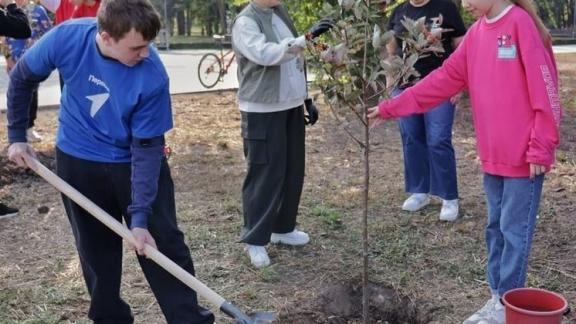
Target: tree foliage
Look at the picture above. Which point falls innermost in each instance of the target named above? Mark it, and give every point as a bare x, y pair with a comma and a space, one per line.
557, 14
353, 70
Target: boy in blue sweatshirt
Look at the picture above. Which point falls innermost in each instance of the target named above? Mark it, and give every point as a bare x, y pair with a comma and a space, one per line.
115, 110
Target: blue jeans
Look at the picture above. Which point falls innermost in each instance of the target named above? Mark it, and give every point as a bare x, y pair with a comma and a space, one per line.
429, 161
512, 209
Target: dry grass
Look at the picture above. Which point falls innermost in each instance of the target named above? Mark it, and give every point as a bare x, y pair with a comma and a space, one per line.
438, 266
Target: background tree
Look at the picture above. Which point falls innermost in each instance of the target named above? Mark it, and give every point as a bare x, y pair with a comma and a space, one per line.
214, 16
557, 14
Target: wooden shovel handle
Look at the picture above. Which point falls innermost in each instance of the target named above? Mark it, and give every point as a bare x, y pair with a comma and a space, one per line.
126, 234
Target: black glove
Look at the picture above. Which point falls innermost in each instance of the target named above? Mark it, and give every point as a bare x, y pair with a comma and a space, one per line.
312, 112
324, 25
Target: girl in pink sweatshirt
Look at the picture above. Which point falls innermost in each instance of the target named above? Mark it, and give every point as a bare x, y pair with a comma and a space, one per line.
506, 63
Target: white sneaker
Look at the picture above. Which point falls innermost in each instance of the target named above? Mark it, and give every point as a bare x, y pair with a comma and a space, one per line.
416, 202
496, 316
295, 237
483, 313
258, 255
32, 136
449, 210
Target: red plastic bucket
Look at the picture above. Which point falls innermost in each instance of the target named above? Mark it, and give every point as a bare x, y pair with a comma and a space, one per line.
534, 306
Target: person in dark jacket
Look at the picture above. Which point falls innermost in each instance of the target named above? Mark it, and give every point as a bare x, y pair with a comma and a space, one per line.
13, 23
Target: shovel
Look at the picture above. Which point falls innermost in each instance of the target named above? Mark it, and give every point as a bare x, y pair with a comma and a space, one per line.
151, 253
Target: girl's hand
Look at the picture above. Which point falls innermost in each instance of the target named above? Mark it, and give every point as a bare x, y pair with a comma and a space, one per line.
536, 170
456, 99
374, 117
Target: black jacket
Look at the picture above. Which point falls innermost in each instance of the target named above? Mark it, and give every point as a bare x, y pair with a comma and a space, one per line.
14, 22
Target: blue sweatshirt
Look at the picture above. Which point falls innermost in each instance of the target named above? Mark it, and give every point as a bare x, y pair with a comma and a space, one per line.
109, 112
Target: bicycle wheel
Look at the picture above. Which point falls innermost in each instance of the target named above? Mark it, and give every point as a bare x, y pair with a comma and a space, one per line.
209, 70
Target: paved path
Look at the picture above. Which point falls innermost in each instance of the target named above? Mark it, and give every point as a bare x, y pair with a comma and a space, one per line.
181, 66
565, 49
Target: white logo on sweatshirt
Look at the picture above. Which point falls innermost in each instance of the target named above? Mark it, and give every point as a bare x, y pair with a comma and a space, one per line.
98, 100
98, 82
552, 92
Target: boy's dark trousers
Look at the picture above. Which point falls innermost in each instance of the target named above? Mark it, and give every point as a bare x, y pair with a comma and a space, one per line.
274, 148
33, 110
108, 185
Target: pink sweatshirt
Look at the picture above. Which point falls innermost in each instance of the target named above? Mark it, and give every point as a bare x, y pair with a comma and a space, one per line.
513, 84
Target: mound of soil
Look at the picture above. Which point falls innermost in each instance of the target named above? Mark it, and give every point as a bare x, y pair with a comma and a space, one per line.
342, 303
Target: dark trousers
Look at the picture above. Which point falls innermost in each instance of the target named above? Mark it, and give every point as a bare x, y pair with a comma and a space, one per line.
33, 109
100, 250
274, 150
61, 81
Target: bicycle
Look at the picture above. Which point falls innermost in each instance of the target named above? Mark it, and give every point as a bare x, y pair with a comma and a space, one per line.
211, 68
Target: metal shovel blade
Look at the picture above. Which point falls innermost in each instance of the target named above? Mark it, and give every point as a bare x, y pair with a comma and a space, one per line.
241, 318
258, 318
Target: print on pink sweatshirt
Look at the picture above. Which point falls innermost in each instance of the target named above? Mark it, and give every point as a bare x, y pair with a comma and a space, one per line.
513, 83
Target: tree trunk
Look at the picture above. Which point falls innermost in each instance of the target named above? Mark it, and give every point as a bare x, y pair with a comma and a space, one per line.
170, 15
209, 24
181, 23
365, 238
222, 16
189, 22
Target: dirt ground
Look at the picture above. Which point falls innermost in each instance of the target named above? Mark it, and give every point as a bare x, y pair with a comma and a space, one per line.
422, 270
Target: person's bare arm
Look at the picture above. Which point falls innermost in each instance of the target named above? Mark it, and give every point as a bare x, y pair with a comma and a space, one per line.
392, 47
391, 51
456, 41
